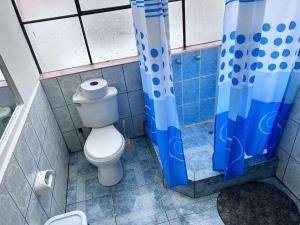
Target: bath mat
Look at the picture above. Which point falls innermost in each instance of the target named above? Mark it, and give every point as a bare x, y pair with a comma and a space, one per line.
257, 203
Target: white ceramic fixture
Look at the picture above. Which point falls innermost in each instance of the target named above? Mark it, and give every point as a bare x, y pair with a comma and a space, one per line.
70, 218
98, 109
5, 112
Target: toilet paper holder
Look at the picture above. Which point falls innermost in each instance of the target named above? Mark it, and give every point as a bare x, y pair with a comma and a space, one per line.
44, 181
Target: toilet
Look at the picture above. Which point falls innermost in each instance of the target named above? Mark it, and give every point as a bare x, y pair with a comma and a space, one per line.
97, 106
75, 218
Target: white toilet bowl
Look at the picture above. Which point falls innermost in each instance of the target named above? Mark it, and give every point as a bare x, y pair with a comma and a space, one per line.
70, 218
104, 148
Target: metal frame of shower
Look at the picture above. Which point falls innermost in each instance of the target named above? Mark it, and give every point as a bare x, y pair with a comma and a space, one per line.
79, 14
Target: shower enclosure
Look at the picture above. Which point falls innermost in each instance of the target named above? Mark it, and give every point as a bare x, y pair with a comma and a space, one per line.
195, 77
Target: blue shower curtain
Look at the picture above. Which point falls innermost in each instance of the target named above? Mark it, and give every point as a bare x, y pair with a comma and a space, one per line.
259, 76
152, 37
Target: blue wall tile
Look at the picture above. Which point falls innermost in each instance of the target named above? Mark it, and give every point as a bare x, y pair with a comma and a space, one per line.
176, 65
178, 92
207, 109
191, 113
190, 91
115, 77
209, 62
132, 76
136, 102
207, 87
68, 85
180, 114
123, 105
190, 66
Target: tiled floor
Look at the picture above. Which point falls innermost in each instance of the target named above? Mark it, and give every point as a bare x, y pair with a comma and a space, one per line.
140, 198
198, 142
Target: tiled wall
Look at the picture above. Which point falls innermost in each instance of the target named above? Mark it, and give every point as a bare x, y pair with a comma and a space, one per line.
40, 147
126, 78
194, 88
288, 151
195, 84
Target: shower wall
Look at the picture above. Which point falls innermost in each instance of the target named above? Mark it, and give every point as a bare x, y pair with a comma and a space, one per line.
195, 84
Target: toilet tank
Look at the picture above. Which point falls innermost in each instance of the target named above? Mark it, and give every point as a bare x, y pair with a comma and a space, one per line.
99, 112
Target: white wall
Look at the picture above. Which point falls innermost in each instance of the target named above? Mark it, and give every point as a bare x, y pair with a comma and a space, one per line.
19, 61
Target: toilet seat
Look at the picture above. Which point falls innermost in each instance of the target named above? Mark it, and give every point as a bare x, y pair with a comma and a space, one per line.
104, 144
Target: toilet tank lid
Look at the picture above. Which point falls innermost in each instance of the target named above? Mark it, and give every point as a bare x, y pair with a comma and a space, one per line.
75, 218
79, 98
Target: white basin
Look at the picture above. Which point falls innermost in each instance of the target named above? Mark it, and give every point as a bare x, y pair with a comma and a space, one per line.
5, 112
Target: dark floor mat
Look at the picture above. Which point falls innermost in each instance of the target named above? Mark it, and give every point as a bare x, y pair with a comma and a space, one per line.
257, 204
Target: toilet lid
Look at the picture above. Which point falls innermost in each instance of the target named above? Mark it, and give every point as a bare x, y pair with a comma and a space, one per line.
103, 142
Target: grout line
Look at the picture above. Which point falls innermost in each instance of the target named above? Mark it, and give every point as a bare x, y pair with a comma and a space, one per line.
290, 154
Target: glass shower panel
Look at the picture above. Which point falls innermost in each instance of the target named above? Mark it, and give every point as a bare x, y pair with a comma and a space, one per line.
175, 20
58, 44
101, 4
110, 35
204, 21
41, 9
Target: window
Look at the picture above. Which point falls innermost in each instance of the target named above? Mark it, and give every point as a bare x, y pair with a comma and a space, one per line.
69, 33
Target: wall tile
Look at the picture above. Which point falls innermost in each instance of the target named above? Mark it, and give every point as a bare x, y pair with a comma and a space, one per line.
35, 214
9, 213
63, 118
72, 141
208, 86
13, 178
44, 163
123, 105
209, 62
75, 116
26, 160
136, 101
178, 93
91, 74
295, 112
115, 77
296, 148
190, 91
180, 114
125, 126
53, 92
191, 113
138, 124
176, 65
50, 148
32, 140
132, 76
68, 85
37, 124
289, 134
190, 66
207, 107
292, 177
283, 160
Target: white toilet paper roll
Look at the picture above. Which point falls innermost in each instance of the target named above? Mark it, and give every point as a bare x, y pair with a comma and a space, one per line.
94, 88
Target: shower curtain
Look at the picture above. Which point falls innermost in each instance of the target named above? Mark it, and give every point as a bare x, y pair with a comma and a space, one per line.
150, 18
259, 76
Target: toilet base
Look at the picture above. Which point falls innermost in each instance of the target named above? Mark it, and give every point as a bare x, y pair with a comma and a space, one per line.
109, 175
